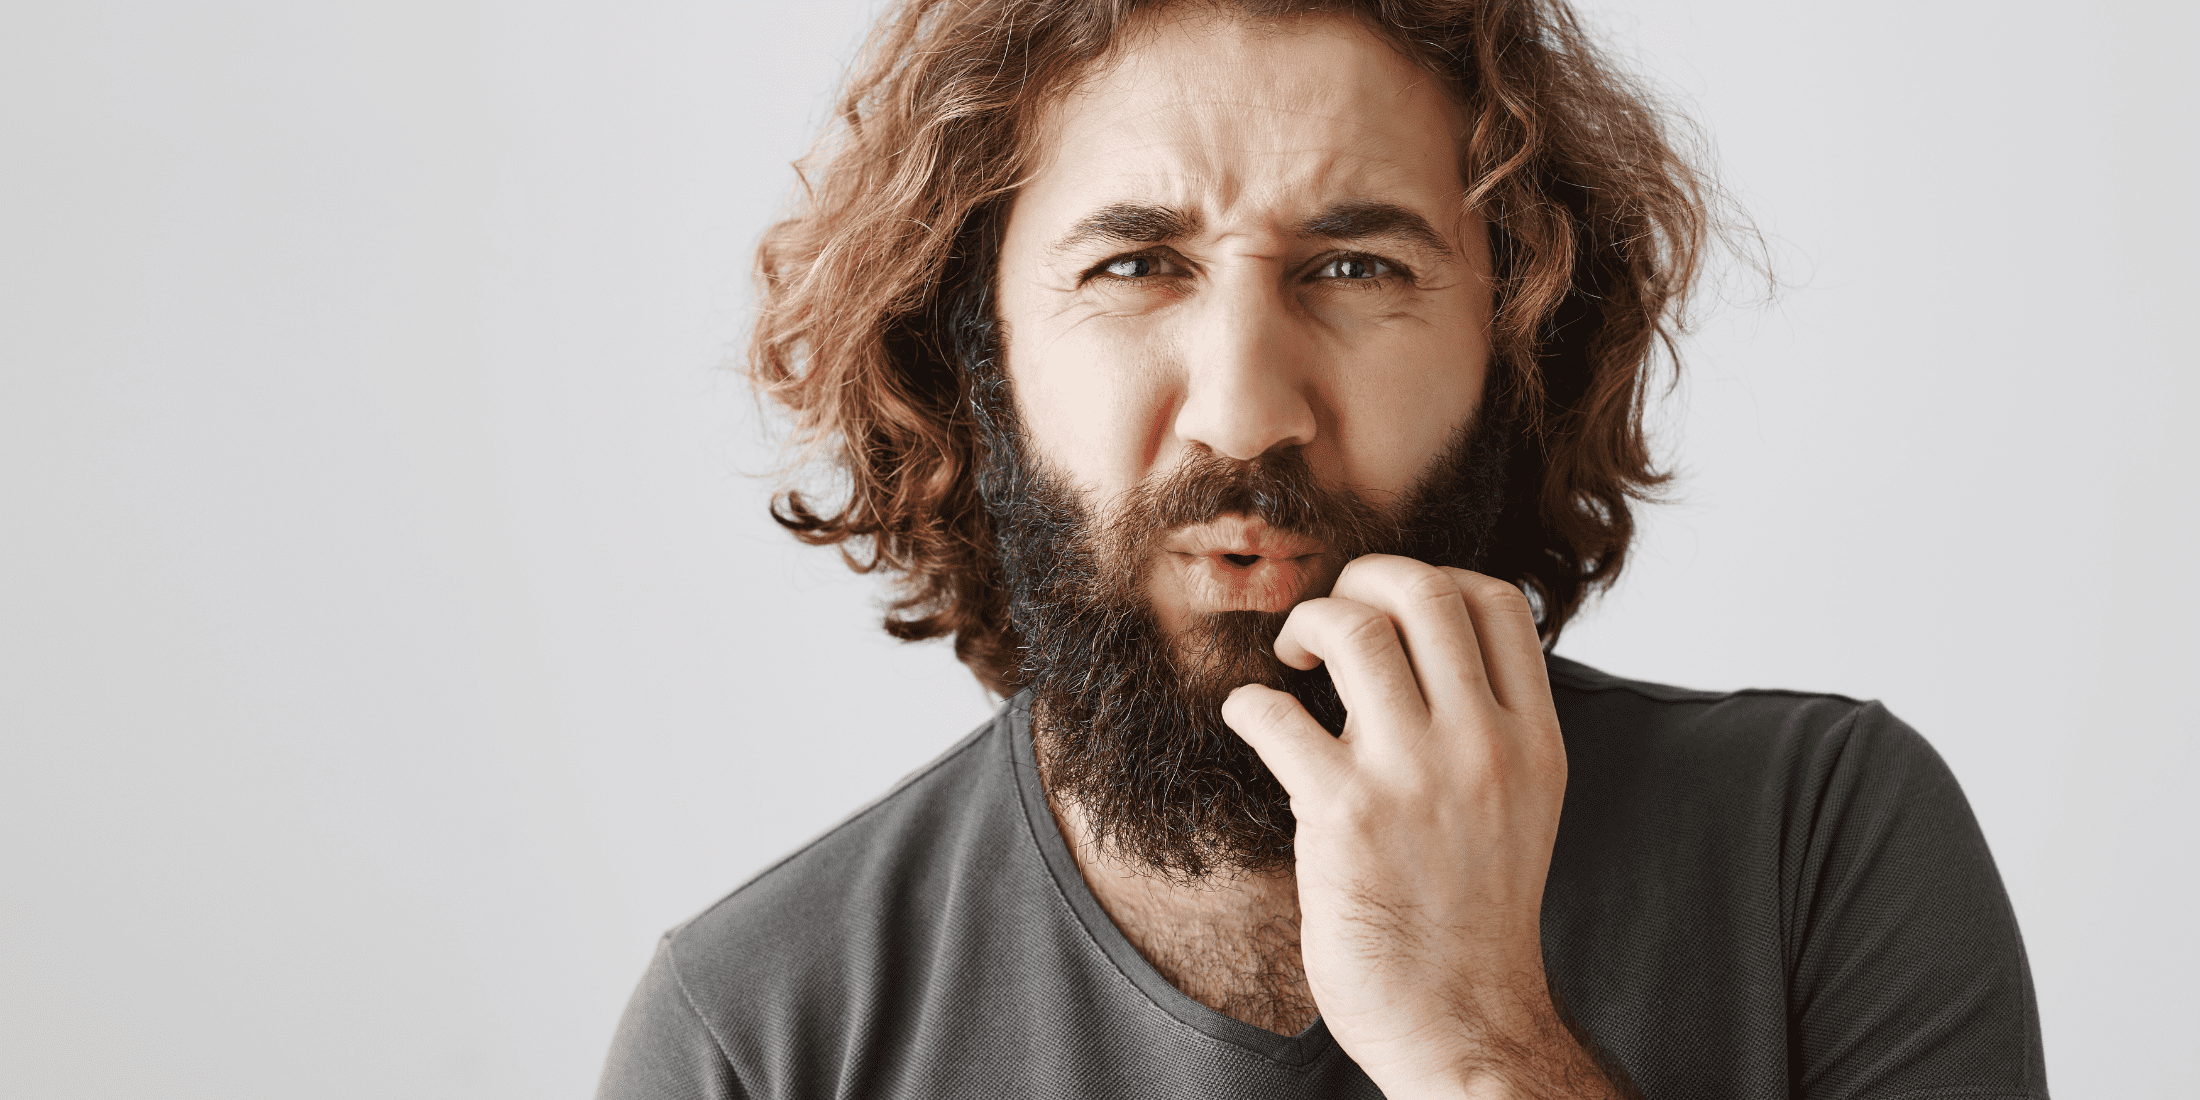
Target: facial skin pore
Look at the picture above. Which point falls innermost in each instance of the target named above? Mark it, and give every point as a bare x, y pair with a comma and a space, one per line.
1238, 238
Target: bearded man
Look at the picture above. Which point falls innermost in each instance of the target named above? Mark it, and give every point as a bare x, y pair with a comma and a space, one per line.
1253, 391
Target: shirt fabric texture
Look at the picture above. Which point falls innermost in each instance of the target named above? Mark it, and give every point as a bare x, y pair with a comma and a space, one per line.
1752, 894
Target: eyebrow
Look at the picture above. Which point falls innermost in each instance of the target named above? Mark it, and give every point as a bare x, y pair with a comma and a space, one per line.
1129, 223
1366, 220
1353, 220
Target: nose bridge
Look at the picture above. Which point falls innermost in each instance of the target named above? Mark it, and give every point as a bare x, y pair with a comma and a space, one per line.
1245, 390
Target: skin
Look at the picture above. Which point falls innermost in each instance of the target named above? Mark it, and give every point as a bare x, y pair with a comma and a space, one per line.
1327, 286
1176, 276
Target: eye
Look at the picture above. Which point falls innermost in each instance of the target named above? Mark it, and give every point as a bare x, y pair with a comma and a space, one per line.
1130, 267
1156, 264
1355, 268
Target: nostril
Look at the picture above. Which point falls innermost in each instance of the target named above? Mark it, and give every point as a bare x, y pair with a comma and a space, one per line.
1242, 560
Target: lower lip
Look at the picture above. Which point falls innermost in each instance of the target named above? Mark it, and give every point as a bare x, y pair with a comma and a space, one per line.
1213, 584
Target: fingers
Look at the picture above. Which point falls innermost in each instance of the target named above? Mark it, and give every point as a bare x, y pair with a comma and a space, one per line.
1429, 610
1406, 638
1511, 647
1360, 645
1289, 740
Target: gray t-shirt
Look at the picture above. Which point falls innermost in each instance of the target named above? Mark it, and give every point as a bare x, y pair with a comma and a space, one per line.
1753, 894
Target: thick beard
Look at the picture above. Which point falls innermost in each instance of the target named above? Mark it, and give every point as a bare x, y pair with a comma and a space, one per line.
1128, 719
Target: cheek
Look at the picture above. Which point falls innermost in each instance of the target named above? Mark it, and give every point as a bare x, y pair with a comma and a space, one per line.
1399, 405
1089, 407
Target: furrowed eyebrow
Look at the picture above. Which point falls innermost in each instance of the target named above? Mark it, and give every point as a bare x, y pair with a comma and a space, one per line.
1128, 223
1362, 221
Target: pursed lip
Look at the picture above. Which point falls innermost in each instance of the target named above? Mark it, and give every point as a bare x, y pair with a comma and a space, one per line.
1239, 564
1241, 537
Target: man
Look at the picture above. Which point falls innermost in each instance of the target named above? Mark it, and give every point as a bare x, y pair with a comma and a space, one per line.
1253, 391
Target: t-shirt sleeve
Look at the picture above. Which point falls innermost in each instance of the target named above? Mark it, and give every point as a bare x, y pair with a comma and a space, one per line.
663, 1049
1908, 976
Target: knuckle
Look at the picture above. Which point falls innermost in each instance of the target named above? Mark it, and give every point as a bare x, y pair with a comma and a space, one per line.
1275, 710
1364, 630
1432, 586
1496, 594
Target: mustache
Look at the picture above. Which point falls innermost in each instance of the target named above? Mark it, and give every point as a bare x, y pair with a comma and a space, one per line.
1278, 488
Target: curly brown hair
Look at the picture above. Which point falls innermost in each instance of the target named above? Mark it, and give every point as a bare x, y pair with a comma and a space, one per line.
1596, 223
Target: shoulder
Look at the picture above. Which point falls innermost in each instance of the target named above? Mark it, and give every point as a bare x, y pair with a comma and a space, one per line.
1606, 716
751, 993
860, 916
1783, 760
1799, 863
890, 847
1595, 693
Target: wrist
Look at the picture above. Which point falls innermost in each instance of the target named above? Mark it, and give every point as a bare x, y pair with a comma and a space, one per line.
1454, 1083
1527, 1053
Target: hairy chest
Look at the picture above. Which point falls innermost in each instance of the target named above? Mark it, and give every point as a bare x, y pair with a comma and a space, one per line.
1241, 961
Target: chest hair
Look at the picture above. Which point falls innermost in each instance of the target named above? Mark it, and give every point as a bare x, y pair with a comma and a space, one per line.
1229, 944
1235, 951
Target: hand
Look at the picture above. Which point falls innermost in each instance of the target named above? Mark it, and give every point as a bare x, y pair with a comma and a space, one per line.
1425, 831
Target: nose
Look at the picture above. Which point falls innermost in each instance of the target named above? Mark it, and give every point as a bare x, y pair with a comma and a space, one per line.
1245, 383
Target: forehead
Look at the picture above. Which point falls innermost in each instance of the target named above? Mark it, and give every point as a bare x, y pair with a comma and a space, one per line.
1208, 112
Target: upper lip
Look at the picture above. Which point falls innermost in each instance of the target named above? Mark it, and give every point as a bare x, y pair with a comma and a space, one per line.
1241, 536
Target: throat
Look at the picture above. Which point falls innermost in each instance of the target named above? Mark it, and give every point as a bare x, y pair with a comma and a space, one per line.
1251, 974
1231, 944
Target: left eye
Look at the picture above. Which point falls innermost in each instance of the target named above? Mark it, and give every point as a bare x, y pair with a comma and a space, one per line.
1354, 267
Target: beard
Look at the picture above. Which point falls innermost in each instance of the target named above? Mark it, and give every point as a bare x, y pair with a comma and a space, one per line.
1126, 715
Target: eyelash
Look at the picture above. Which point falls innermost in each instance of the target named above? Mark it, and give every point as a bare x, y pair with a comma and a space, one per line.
1100, 270
1389, 269
1392, 268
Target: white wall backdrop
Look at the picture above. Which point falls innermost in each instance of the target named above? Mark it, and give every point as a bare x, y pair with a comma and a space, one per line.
392, 645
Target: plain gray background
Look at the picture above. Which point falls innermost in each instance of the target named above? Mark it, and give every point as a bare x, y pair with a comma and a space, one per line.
393, 645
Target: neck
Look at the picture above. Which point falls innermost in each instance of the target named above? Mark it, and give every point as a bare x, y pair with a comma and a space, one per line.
1230, 942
